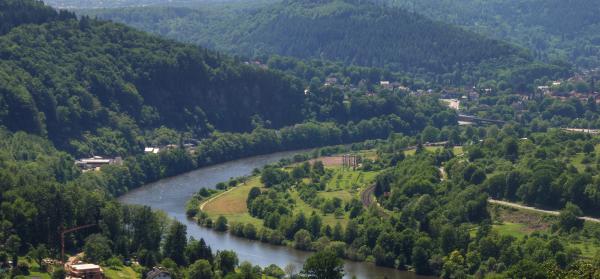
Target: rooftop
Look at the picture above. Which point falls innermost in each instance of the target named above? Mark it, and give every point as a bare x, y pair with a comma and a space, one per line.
80, 267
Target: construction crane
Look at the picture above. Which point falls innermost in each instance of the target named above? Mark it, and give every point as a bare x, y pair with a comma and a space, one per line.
64, 231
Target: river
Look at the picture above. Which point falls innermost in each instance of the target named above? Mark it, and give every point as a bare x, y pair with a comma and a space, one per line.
171, 194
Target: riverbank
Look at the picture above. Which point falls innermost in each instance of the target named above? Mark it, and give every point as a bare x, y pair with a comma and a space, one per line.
170, 195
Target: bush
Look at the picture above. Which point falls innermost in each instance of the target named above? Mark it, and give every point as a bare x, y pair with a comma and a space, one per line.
274, 271
59, 273
208, 222
250, 231
221, 224
22, 268
302, 240
221, 186
276, 237
237, 229
97, 248
114, 262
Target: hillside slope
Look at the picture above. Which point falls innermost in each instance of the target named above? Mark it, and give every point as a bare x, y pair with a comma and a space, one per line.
552, 29
355, 32
104, 82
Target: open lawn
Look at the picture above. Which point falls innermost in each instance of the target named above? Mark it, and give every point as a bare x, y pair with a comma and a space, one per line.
329, 219
457, 150
120, 272
346, 179
513, 229
232, 204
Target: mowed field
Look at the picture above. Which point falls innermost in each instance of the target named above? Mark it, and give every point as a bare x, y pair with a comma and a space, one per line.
232, 204
457, 150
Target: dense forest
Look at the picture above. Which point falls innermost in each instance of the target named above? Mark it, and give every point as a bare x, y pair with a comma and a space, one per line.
86, 76
353, 32
551, 29
93, 4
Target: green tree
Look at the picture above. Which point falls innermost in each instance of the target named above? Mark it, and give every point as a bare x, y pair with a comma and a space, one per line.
420, 259
221, 224
302, 240
198, 250
226, 261
175, 243
314, 225
97, 248
38, 253
201, 269
568, 218
274, 271
323, 264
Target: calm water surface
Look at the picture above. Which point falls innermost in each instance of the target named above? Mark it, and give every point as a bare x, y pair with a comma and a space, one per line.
171, 194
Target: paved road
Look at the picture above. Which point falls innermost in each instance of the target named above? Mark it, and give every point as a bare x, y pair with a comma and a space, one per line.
550, 212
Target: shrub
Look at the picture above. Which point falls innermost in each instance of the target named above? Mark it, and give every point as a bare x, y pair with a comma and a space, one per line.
221, 224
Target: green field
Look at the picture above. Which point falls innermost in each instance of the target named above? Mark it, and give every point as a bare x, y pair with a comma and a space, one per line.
125, 272
457, 150
345, 184
232, 204
513, 229
519, 223
349, 180
121, 272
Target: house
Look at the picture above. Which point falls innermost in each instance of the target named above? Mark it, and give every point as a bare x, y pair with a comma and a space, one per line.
331, 81
96, 162
474, 96
158, 273
153, 150
385, 84
83, 271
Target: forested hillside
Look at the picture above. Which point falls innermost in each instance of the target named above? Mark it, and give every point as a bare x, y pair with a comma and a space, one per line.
78, 87
354, 32
552, 29
86, 79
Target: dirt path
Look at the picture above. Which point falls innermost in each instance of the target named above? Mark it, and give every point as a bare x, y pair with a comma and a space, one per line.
550, 212
366, 197
215, 197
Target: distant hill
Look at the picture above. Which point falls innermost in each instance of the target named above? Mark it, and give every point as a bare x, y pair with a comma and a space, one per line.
552, 29
95, 4
355, 32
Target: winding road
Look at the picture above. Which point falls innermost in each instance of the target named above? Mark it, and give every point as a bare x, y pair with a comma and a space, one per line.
550, 212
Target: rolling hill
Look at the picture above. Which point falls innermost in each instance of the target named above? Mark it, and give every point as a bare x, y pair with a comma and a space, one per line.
355, 32
103, 82
551, 29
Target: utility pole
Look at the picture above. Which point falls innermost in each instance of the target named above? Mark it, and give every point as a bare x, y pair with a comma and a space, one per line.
64, 231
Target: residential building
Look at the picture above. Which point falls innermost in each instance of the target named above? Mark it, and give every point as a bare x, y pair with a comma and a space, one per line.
158, 273
96, 162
